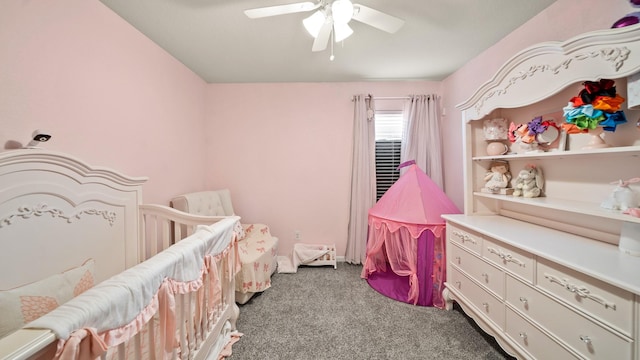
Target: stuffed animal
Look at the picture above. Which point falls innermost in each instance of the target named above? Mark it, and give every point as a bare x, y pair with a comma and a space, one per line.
498, 176
529, 182
622, 197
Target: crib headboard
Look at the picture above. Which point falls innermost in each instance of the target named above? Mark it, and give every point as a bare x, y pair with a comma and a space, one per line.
56, 212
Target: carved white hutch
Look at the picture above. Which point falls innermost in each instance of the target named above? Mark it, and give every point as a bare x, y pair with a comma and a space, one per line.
544, 275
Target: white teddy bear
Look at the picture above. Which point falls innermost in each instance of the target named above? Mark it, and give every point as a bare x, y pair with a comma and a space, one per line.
529, 182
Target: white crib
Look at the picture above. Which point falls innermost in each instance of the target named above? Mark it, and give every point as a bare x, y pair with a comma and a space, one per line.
56, 212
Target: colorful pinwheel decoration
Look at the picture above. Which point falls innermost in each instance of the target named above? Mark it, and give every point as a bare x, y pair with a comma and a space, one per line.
597, 105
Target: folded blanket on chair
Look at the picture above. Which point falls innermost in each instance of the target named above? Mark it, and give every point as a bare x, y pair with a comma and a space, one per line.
302, 254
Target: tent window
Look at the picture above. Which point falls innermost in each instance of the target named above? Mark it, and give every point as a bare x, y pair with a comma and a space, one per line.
388, 145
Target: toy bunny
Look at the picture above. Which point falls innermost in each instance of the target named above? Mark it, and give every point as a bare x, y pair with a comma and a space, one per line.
622, 197
529, 182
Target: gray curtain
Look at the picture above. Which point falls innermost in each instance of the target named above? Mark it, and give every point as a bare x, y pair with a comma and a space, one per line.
363, 178
422, 137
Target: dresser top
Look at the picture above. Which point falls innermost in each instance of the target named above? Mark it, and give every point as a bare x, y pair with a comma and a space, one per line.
594, 258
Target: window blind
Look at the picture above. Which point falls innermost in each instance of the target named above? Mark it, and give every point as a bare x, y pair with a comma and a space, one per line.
387, 161
389, 126
388, 145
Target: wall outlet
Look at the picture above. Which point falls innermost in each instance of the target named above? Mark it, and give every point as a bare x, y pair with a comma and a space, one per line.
297, 236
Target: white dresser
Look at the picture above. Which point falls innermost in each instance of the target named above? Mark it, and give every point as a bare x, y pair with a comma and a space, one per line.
544, 275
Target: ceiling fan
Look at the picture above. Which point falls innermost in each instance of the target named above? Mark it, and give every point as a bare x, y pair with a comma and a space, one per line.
331, 19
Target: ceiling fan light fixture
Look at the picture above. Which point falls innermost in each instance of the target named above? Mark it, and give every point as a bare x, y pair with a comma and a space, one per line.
342, 31
329, 22
342, 11
314, 22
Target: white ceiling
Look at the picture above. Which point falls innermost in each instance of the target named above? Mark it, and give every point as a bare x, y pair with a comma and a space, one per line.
218, 42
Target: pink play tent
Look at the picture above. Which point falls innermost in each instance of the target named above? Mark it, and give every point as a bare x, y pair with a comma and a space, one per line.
406, 242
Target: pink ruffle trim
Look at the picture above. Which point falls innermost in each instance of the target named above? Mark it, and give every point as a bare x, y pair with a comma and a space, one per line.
87, 344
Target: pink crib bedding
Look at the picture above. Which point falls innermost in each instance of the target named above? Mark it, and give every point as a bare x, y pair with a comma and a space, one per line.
119, 308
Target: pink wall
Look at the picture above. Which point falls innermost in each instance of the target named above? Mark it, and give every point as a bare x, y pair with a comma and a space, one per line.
106, 93
284, 150
560, 21
112, 97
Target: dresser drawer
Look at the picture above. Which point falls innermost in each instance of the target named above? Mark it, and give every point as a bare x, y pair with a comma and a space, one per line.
584, 336
533, 341
484, 273
607, 303
517, 261
465, 238
482, 300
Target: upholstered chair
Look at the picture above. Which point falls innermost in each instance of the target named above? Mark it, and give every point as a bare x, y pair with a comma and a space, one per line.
257, 248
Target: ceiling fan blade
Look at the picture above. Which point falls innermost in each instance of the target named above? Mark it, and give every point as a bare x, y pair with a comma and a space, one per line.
377, 19
321, 41
281, 9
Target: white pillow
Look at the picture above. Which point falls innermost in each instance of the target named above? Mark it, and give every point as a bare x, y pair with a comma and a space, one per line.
26, 303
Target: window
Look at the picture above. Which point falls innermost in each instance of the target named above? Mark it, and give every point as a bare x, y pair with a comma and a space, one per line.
388, 145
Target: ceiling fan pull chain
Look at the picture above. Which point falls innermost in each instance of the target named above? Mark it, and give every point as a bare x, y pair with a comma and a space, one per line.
332, 40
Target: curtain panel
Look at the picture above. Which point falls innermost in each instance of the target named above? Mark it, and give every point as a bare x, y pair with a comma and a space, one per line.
363, 178
422, 136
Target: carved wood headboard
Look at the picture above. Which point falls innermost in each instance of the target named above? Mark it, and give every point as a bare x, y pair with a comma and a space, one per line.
56, 212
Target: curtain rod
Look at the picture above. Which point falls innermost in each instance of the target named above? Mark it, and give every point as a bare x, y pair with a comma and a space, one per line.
390, 97
385, 97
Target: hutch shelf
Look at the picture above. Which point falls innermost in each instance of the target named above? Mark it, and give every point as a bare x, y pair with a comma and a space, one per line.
545, 275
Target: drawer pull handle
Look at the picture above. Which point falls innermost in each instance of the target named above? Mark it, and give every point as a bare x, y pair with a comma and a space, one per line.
585, 339
523, 335
469, 239
464, 237
581, 291
505, 257
458, 283
486, 306
485, 276
523, 299
458, 259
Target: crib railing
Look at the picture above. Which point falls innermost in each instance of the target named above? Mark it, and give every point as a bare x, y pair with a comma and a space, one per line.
161, 226
203, 326
209, 329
